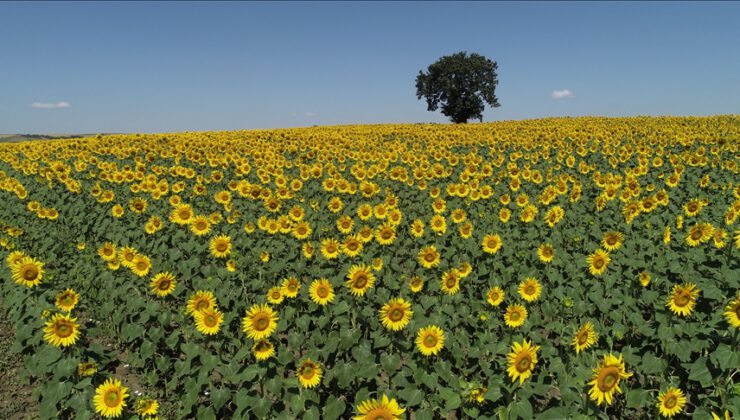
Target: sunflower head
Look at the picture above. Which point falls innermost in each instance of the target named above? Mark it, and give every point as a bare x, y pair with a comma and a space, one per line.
379, 409
522, 360
110, 398
260, 322
163, 284
671, 402
309, 373
396, 314
61, 330
359, 279
263, 349
430, 340
682, 299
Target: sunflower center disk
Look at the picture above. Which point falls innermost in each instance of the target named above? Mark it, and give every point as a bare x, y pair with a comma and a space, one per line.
523, 364
64, 330
322, 292
262, 324
682, 299
30, 273
210, 321
396, 314
450, 283
111, 399
430, 341
670, 402
608, 380
360, 282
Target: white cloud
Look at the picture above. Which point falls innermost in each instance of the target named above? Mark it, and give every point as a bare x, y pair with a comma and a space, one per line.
562, 94
45, 105
311, 114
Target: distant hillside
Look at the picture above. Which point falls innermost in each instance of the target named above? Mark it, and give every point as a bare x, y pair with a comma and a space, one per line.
14, 138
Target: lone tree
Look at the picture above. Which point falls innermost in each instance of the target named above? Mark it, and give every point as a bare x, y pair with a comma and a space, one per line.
459, 83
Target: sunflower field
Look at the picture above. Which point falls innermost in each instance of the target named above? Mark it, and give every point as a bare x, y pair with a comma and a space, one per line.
556, 268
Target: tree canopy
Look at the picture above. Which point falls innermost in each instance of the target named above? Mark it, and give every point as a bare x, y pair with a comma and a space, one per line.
459, 84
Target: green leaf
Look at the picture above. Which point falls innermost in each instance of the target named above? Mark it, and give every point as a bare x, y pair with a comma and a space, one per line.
699, 372
452, 399
334, 408
521, 409
637, 398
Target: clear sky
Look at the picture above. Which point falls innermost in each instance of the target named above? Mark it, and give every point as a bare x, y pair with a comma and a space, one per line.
147, 67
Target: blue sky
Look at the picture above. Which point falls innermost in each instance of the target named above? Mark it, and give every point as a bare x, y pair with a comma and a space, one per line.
167, 66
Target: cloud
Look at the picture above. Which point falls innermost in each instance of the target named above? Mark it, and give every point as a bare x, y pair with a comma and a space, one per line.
44, 105
562, 94
304, 114
310, 114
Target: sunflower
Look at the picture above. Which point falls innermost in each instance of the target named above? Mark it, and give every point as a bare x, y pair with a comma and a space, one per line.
110, 398
352, 246
87, 368
359, 279
417, 228
302, 230
163, 284
66, 300
14, 257
396, 314
107, 251
585, 337
644, 278
321, 292
450, 282
429, 256
200, 226
386, 234
522, 360
141, 265
230, 265
200, 301
208, 321
491, 243
117, 211
667, 235
127, 256
732, 312
546, 253
430, 340
515, 315
263, 349
28, 272
612, 240
530, 289
260, 322
671, 402
597, 262
182, 214
683, 298
377, 264
147, 407
717, 416
330, 248
438, 224
416, 283
220, 246
61, 330
699, 233
495, 296
380, 409
309, 373
275, 295
606, 378
477, 395
290, 287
